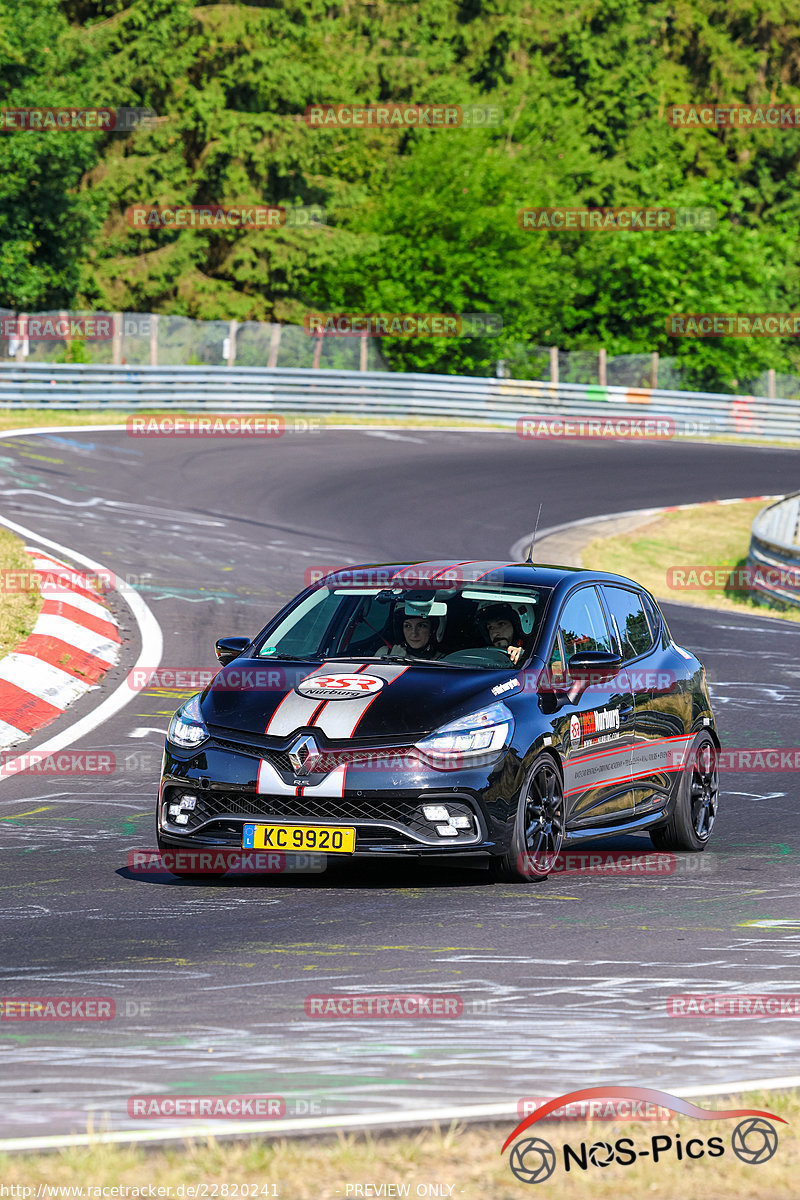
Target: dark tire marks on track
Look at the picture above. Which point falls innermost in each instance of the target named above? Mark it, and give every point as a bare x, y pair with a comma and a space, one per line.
209, 980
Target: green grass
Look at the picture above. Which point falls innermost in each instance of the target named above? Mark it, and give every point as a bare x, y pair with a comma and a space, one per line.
706, 535
467, 1160
18, 608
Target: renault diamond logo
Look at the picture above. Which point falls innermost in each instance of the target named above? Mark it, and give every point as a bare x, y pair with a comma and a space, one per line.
303, 755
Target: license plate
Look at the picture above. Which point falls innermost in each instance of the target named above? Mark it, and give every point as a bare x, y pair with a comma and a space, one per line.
330, 839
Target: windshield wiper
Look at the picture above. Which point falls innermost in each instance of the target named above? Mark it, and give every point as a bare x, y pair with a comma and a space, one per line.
290, 657
366, 658
436, 662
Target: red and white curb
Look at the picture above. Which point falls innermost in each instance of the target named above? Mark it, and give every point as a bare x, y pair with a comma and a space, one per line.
73, 643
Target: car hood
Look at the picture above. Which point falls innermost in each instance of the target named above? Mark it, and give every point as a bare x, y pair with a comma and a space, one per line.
382, 701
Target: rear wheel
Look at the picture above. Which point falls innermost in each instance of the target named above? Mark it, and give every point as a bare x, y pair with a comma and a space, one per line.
538, 828
695, 811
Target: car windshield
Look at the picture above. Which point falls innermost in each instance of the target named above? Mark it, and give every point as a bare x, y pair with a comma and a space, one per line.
469, 625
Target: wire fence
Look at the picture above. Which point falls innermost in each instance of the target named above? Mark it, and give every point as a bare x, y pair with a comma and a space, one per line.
152, 339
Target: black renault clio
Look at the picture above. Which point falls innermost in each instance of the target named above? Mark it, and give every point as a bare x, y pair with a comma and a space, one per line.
494, 712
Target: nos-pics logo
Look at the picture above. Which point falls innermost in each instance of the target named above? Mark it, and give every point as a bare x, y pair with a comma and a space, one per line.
754, 1139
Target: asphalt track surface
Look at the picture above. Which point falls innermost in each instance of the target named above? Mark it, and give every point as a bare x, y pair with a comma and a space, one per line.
564, 984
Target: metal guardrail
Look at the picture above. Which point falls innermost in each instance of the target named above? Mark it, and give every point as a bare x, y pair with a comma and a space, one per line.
774, 555
379, 393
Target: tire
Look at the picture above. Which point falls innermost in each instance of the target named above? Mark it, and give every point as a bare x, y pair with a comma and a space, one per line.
695, 810
538, 826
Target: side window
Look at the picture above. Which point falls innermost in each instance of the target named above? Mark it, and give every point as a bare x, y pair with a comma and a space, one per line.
630, 622
556, 664
654, 614
583, 625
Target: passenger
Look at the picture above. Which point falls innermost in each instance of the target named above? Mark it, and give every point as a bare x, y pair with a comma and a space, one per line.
417, 640
501, 626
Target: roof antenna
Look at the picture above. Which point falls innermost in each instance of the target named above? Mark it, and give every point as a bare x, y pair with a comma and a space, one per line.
529, 559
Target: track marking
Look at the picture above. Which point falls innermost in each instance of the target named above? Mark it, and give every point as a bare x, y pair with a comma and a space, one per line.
389, 1122
152, 648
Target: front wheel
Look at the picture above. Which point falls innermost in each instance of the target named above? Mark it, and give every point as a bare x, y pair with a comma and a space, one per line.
695, 811
538, 828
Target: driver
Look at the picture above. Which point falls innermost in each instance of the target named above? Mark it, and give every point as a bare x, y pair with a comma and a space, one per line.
417, 640
501, 626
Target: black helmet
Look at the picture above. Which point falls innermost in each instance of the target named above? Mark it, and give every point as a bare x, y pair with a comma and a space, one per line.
499, 612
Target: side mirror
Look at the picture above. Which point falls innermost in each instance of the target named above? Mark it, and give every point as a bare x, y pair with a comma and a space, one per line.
600, 664
229, 648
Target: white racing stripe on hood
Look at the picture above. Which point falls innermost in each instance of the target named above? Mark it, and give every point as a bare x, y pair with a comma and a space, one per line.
294, 711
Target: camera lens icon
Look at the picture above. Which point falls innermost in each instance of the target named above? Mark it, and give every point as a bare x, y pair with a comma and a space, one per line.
754, 1141
601, 1154
533, 1160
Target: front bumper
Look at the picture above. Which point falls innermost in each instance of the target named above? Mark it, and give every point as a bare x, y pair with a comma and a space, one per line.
227, 789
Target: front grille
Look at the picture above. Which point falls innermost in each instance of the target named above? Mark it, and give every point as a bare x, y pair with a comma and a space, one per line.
356, 810
328, 761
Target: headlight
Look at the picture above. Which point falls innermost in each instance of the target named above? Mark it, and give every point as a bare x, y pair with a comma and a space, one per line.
470, 738
186, 728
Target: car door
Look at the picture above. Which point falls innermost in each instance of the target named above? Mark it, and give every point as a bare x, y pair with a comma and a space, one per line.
660, 717
594, 724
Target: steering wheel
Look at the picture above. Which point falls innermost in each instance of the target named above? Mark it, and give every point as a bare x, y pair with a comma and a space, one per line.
487, 656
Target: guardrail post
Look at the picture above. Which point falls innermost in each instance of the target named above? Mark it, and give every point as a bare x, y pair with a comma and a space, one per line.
154, 340
63, 315
601, 366
233, 326
317, 353
771, 383
362, 356
554, 365
274, 345
23, 345
116, 340
654, 370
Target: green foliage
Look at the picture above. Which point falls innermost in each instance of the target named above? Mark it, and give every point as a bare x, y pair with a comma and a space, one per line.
417, 220
47, 221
